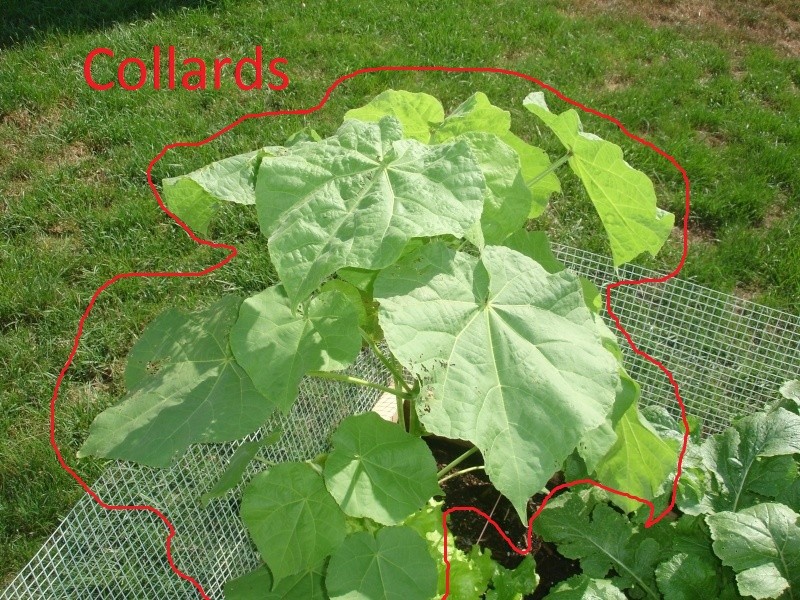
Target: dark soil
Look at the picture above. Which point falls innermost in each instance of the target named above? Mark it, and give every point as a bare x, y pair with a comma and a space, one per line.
474, 489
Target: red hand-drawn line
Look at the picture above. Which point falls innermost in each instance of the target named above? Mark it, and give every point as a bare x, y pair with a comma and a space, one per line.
651, 520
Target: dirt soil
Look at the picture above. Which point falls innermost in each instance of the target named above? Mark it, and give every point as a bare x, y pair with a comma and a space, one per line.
773, 23
474, 489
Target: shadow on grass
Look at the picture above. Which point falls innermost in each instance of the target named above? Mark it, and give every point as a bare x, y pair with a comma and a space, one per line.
24, 20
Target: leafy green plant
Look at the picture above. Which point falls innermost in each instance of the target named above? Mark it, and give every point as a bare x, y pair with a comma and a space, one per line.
734, 534
407, 233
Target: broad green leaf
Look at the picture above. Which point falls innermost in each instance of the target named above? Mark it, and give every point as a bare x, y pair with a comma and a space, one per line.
393, 565
257, 585
740, 464
582, 587
249, 586
352, 293
185, 388
237, 465
195, 196
278, 346
293, 520
476, 113
535, 163
684, 577
624, 198
508, 356
378, 470
417, 112
790, 495
357, 198
762, 544
536, 245
423, 119
507, 199
602, 539
598, 443
514, 584
639, 462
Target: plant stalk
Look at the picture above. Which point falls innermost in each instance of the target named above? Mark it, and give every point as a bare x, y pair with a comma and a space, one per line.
401, 412
461, 472
457, 461
549, 169
357, 381
392, 367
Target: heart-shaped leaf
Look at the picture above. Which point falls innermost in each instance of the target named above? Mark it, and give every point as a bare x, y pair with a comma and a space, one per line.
293, 520
394, 565
378, 470
257, 585
278, 346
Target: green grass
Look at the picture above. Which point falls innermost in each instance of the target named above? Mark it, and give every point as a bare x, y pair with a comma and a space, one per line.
75, 208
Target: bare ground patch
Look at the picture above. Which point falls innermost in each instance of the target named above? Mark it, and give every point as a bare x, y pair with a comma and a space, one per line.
773, 23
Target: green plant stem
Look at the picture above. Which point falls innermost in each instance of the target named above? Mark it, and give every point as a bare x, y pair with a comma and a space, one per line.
461, 472
394, 368
401, 413
357, 381
457, 461
263, 460
549, 169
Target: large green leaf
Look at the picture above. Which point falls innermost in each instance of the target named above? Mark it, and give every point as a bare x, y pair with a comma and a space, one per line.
602, 539
393, 565
278, 346
507, 199
762, 544
583, 587
194, 197
293, 520
751, 458
257, 585
476, 113
418, 113
683, 577
508, 355
423, 119
185, 388
623, 197
357, 198
639, 462
378, 470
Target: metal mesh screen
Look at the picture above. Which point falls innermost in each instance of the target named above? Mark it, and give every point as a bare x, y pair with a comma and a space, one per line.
728, 355
96, 554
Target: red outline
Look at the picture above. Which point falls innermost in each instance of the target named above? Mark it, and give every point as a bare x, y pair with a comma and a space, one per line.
652, 520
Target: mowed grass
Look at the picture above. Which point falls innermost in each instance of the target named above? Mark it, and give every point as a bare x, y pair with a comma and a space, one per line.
75, 208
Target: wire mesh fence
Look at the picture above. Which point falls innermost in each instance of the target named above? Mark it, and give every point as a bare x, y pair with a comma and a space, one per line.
728, 355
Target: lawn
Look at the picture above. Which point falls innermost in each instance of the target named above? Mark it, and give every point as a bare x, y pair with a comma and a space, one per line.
718, 91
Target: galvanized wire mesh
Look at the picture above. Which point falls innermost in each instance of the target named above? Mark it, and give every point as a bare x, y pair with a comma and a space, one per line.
728, 355
96, 554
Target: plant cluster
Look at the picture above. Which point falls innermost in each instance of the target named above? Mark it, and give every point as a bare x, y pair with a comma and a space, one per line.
735, 532
409, 234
